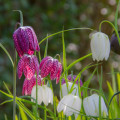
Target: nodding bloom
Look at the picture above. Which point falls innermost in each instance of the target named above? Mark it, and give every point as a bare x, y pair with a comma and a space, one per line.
100, 46
51, 66
65, 90
29, 65
25, 41
70, 104
115, 47
71, 78
91, 106
28, 84
45, 94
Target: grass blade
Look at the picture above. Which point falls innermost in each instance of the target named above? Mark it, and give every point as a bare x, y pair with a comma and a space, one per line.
7, 54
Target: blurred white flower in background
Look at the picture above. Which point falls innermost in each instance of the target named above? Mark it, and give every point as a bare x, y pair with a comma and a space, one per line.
70, 104
45, 94
91, 106
100, 46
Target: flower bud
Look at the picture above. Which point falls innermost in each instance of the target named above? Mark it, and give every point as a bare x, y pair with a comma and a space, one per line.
100, 46
25, 41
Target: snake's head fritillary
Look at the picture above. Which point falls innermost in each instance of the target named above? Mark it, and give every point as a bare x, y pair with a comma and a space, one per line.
29, 65
28, 84
51, 66
25, 41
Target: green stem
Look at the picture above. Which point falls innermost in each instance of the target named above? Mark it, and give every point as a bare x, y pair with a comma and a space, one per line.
14, 86
99, 94
36, 97
21, 17
45, 113
64, 31
116, 15
105, 21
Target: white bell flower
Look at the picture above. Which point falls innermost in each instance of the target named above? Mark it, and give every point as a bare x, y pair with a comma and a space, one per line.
100, 46
91, 106
70, 104
65, 91
45, 94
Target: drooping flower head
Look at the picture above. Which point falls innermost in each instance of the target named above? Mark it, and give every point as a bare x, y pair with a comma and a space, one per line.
115, 47
45, 94
28, 84
71, 78
65, 89
91, 106
29, 65
25, 41
100, 46
51, 66
70, 104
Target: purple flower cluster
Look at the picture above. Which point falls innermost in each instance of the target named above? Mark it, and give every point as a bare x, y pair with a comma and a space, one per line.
26, 43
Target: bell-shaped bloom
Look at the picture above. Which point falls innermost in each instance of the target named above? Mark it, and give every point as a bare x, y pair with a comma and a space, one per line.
28, 84
51, 66
29, 65
65, 90
25, 41
70, 104
100, 46
115, 47
71, 78
91, 106
44, 95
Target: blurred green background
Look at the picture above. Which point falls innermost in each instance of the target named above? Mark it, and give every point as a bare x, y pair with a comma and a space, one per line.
50, 16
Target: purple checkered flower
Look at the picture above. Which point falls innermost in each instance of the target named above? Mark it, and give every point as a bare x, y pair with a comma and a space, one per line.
51, 66
25, 41
69, 77
29, 65
28, 84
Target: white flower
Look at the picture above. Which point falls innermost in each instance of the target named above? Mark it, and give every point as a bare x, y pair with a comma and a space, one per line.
100, 46
65, 91
91, 106
45, 94
70, 104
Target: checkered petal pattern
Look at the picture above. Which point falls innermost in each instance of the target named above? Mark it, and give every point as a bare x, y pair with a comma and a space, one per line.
25, 41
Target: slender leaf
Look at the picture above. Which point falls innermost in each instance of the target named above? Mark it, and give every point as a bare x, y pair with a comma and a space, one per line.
5, 50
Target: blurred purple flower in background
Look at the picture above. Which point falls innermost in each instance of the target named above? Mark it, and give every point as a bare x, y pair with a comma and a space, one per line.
69, 77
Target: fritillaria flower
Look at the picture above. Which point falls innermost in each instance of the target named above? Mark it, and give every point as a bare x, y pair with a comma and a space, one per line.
51, 66
25, 41
100, 46
45, 94
28, 84
115, 47
91, 106
29, 65
69, 104
65, 91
